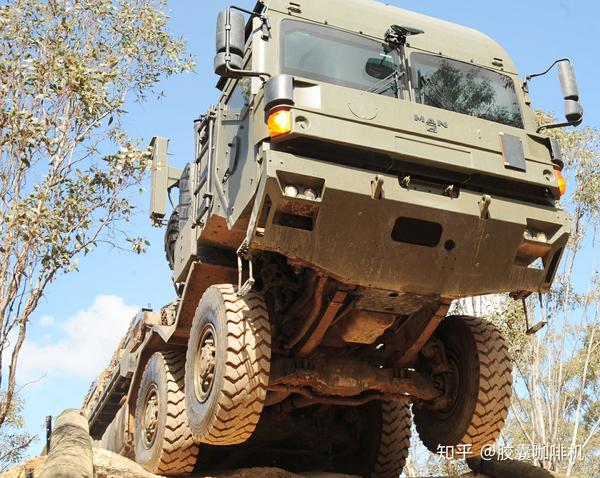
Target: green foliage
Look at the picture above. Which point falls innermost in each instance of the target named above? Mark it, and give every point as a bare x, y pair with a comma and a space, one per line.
557, 372
67, 69
13, 440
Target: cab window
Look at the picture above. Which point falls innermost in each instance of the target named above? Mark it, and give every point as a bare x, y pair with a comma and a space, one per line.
239, 98
341, 58
465, 88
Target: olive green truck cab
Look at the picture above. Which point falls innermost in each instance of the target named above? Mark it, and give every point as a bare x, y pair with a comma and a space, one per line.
364, 167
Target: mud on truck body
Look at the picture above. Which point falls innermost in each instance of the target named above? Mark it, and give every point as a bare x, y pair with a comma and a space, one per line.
364, 167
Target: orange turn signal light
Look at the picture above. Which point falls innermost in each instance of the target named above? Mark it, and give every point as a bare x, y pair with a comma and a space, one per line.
279, 122
562, 182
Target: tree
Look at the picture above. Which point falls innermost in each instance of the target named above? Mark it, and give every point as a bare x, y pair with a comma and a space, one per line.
13, 440
67, 68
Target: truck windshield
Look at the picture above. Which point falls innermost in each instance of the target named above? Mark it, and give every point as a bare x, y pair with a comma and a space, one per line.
338, 57
467, 89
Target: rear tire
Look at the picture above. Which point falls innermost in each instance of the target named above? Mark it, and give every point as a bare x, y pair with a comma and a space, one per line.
227, 367
394, 442
478, 353
163, 440
382, 442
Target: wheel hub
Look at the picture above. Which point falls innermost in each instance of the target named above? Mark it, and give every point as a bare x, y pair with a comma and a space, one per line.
205, 364
150, 417
451, 385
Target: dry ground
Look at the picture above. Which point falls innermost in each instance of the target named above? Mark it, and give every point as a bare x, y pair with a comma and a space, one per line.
110, 465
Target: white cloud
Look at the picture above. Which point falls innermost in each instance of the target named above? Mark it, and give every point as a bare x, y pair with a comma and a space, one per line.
86, 344
47, 320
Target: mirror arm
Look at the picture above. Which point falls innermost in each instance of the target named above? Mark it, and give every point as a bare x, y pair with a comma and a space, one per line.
545, 72
249, 73
559, 125
564, 124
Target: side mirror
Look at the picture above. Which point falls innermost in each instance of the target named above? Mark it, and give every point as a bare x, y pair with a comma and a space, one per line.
568, 84
573, 111
570, 91
230, 43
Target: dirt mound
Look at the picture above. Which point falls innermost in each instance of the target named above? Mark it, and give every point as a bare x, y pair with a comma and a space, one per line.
21, 470
111, 465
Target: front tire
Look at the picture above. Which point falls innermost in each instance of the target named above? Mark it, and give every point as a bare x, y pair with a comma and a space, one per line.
227, 367
481, 390
163, 440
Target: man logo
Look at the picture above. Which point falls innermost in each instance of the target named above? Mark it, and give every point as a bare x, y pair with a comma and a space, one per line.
432, 124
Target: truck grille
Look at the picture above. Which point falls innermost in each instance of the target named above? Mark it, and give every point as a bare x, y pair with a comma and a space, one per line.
403, 166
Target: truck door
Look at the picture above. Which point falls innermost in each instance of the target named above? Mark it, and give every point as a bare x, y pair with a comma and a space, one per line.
231, 173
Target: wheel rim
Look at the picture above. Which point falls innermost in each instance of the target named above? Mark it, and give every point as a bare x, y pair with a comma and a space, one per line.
205, 363
452, 383
150, 417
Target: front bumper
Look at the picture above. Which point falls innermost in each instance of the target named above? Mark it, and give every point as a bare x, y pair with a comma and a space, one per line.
414, 239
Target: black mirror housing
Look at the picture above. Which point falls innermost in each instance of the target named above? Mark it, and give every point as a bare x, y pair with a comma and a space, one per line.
220, 65
573, 111
230, 43
568, 82
570, 90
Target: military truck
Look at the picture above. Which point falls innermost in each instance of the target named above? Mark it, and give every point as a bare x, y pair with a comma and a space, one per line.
364, 167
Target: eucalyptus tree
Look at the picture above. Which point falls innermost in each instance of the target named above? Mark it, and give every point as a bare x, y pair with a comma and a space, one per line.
67, 164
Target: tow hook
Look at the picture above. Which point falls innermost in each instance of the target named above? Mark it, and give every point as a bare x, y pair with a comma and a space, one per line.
484, 206
377, 188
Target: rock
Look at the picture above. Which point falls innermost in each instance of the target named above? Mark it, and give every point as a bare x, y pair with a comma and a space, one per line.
111, 465
497, 468
70, 448
465, 475
250, 473
322, 474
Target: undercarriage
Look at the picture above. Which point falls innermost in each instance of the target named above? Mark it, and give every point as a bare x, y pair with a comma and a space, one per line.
346, 345
303, 366
305, 372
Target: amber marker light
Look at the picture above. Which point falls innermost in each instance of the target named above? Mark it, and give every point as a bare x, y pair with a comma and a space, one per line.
562, 182
279, 122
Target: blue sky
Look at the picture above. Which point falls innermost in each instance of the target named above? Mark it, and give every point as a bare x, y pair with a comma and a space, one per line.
84, 314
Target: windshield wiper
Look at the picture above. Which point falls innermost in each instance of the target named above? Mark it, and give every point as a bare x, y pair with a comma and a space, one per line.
390, 81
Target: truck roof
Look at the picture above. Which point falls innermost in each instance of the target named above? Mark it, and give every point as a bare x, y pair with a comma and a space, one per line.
373, 18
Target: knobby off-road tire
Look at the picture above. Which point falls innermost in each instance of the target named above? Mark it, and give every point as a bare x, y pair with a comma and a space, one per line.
380, 441
477, 351
163, 440
394, 442
227, 367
